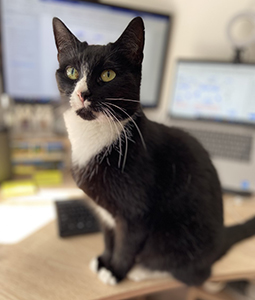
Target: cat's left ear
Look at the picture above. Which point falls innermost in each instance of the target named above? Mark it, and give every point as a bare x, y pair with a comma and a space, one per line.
64, 38
131, 42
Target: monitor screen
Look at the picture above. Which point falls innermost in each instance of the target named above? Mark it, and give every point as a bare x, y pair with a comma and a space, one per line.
215, 91
30, 55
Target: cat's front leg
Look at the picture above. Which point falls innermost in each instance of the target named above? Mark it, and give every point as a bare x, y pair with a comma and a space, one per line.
103, 261
127, 243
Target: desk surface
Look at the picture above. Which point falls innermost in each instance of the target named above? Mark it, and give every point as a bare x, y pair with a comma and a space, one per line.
44, 266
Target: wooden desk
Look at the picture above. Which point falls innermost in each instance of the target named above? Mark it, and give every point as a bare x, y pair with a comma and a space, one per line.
46, 267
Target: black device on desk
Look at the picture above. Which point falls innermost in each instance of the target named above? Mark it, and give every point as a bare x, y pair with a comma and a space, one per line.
75, 217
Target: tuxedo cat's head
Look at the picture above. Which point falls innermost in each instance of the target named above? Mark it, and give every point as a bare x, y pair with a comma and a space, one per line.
101, 79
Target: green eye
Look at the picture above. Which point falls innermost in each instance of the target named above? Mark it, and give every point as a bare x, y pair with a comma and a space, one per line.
108, 75
72, 73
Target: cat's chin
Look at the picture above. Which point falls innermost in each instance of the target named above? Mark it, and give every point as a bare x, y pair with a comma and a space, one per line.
86, 114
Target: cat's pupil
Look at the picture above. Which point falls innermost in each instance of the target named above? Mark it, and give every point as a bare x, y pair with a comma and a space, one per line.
108, 73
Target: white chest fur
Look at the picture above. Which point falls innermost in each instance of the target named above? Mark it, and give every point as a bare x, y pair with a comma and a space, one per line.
89, 138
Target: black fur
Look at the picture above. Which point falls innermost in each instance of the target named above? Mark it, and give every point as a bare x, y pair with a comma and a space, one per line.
167, 202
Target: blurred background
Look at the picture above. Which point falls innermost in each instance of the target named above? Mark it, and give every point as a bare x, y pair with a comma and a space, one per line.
30, 111
30, 102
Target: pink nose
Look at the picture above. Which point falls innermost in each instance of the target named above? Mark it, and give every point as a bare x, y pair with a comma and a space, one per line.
80, 96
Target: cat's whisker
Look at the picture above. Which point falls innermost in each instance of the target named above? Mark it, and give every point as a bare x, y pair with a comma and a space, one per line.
126, 139
120, 143
122, 99
137, 128
109, 119
112, 132
118, 115
108, 113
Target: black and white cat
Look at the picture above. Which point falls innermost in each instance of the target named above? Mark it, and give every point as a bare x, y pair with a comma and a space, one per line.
154, 187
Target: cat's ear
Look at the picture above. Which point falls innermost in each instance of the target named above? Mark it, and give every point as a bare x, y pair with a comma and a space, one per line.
64, 38
131, 42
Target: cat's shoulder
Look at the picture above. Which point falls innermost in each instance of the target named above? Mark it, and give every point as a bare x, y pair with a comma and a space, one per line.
176, 138
169, 131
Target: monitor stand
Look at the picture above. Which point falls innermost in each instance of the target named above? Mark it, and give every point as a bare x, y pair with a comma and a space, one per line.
237, 56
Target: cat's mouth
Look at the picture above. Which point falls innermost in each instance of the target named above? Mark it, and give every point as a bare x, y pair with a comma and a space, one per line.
87, 113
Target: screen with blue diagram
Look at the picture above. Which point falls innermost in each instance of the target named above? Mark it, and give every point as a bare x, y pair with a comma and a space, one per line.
215, 91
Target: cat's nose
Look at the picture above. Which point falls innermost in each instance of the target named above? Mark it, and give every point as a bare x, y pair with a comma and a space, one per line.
80, 96
83, 96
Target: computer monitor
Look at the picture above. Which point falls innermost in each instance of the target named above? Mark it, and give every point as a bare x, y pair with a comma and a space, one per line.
214, 91
29, 51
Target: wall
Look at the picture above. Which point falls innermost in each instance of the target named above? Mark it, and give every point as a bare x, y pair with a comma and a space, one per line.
199, 32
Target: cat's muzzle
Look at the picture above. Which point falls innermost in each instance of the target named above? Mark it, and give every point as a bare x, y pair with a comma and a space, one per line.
86, 113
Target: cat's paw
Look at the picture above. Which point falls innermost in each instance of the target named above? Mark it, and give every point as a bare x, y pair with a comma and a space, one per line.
94, 265
213, 287
140, 273
97, 263
107, 277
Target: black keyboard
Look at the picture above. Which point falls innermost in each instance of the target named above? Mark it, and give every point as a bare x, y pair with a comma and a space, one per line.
75, 217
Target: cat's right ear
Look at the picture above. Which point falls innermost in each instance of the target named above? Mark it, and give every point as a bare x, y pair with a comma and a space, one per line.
64, 38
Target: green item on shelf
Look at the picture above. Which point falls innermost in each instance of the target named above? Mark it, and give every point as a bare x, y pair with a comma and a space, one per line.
48, 177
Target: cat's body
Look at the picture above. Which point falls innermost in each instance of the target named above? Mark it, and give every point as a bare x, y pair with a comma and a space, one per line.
154, 187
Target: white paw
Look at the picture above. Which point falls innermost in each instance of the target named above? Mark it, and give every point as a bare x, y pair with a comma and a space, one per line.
213, 287
137, 273
140, 273
93, 265
106, 277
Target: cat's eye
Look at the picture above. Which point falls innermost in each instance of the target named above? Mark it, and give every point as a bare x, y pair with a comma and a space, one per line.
108, 75
72, 73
